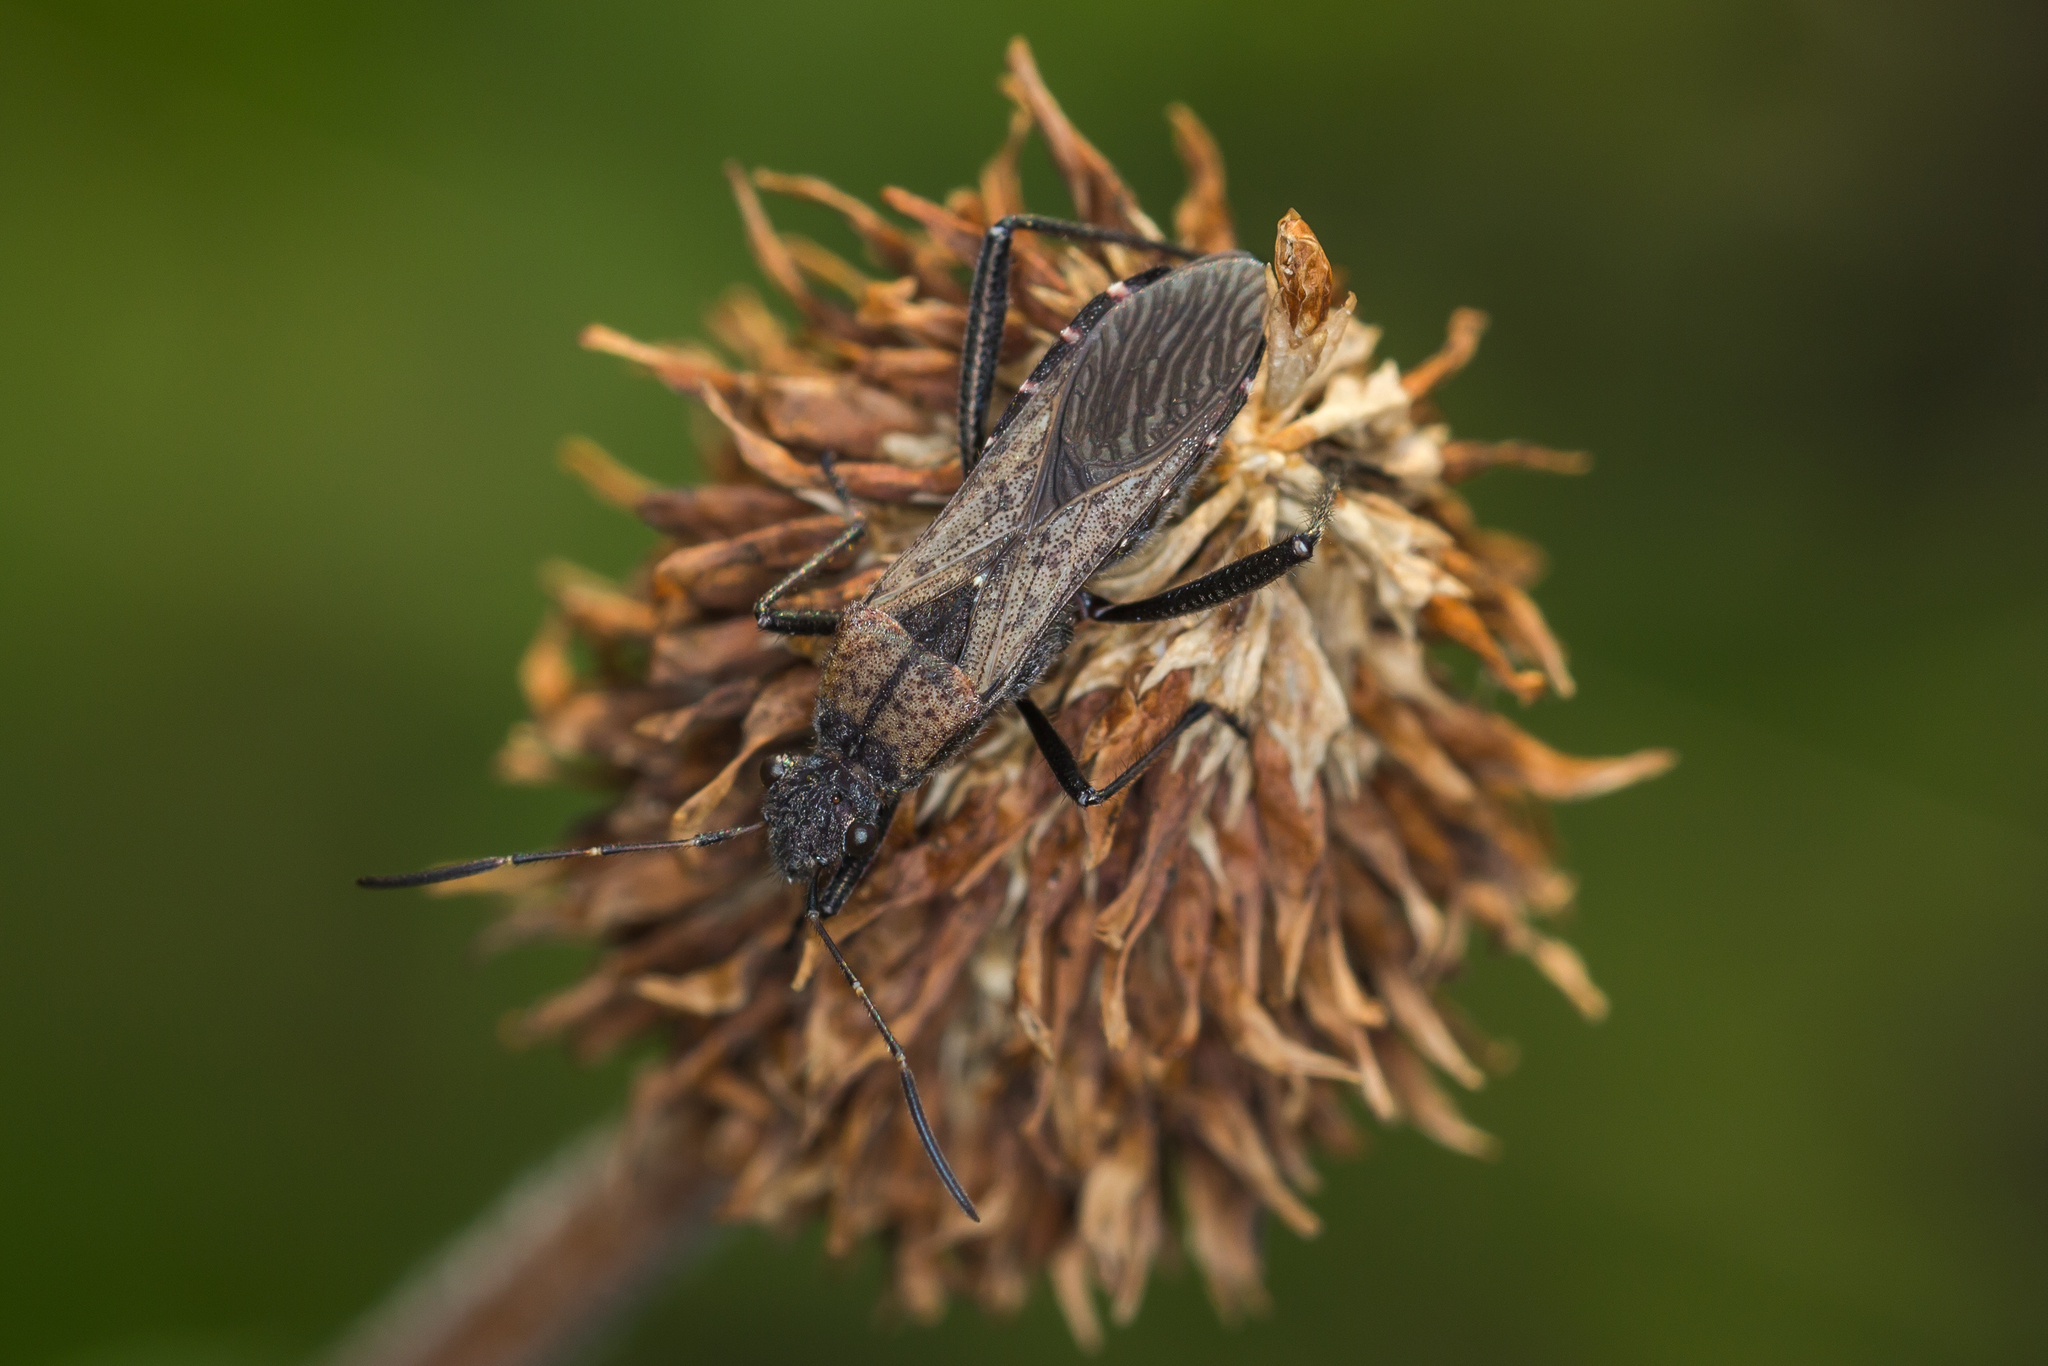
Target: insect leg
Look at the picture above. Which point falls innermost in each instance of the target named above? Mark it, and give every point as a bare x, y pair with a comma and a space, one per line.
813, 623
1233, 580
988, 304
814, 912
1067, 769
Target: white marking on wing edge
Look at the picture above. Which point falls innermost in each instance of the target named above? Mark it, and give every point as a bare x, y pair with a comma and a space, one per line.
1119, 291
1069, 335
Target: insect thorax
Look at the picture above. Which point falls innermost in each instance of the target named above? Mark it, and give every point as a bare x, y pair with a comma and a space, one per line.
890, 706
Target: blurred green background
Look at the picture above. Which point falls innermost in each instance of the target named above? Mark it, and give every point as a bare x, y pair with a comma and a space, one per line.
289, 298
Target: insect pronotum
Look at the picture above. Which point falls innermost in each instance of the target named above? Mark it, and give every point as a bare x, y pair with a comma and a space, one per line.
1099, 444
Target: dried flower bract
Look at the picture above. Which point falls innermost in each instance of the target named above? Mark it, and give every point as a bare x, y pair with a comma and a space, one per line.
1134, 1023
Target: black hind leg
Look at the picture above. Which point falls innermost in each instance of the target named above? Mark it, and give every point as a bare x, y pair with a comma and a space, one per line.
1233, 580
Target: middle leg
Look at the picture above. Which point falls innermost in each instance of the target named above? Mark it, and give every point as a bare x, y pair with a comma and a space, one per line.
785, 622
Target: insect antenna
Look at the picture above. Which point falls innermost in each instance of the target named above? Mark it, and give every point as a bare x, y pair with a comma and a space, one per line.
449, 872
924, 1128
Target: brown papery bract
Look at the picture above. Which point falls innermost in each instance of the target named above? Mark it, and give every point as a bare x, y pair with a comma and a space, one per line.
1133, 1026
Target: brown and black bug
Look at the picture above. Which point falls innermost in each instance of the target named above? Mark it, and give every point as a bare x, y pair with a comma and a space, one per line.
1098, 446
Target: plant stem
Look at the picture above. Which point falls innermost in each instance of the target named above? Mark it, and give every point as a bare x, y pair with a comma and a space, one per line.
564, 1254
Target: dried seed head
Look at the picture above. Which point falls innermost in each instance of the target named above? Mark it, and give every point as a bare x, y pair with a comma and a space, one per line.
1133, 1024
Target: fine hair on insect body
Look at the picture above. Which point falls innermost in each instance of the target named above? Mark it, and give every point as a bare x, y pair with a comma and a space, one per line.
1096, 449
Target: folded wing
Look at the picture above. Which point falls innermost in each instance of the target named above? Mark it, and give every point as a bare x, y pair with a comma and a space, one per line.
1113, 426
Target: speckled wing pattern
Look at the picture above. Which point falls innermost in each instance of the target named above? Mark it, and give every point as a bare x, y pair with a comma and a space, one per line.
1114, 422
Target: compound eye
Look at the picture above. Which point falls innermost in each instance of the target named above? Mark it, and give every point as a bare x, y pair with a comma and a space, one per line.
861, 839
774, 766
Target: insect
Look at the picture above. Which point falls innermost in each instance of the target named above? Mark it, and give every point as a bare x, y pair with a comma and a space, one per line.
1097, 447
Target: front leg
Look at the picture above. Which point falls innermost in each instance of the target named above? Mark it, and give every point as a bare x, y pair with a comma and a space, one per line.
1064, 767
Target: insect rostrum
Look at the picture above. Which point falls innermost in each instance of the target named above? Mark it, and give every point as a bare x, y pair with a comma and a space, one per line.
1170, 862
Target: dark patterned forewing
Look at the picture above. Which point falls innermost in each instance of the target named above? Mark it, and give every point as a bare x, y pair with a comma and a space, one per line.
1157, 372
1144, 405
992, 509
987, 514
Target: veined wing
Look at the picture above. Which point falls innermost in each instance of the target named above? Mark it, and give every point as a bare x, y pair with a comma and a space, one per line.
1157, 373
992, 508
1148, 397
989, 511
